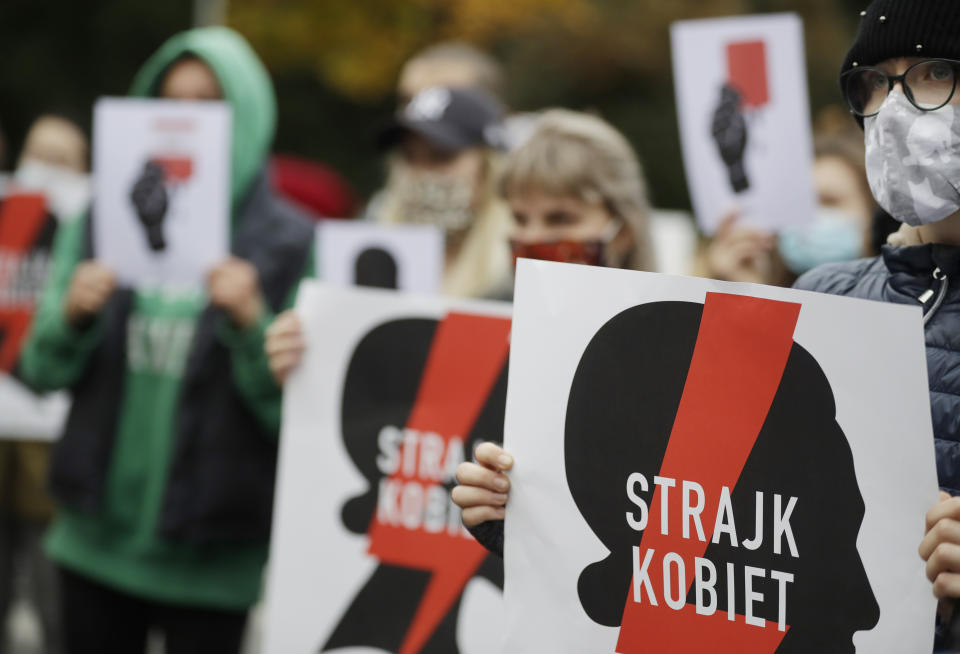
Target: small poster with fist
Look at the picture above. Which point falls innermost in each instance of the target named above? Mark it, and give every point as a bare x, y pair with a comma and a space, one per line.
745, 119
161, 213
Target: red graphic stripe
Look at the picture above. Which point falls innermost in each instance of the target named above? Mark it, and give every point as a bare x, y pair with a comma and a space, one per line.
738, 362
466, 358
747, 71
22, 217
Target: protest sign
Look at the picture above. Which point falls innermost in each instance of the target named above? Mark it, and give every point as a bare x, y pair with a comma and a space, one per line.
729, 468
161, 210
26, 238
405, 257
368, 552
741, 89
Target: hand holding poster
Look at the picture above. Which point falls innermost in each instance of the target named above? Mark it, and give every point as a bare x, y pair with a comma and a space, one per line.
404, 257
162, 189
368, 550
730, 468
744, 119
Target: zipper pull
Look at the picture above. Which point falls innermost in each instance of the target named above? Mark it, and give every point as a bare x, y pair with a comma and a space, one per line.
929, 293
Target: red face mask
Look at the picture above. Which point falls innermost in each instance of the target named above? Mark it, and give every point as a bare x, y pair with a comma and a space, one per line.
589, 253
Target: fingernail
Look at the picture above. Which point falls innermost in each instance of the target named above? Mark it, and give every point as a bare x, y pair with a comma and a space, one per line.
501, 483
505, 459
500, 498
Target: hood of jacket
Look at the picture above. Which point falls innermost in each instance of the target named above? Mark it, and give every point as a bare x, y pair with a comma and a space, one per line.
246, 88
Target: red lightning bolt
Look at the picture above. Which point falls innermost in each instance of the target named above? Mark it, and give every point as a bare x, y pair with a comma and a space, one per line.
738, 361
21, 218
467, 356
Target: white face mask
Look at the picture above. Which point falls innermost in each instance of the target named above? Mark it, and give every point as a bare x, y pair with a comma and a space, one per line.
913, 160
67, 191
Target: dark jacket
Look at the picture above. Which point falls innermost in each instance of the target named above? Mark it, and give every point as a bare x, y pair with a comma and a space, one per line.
905, 275
222, 474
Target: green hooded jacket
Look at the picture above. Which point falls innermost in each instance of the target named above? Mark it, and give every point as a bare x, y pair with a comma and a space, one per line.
119, 545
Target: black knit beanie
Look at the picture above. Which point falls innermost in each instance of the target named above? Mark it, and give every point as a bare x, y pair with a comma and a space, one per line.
906, 28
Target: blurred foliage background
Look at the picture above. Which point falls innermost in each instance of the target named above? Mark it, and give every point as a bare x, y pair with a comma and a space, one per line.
335, 62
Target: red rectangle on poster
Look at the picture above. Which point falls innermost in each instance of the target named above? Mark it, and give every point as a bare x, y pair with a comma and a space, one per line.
747, 71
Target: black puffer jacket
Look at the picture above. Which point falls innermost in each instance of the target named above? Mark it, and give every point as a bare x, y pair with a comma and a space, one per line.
927, 276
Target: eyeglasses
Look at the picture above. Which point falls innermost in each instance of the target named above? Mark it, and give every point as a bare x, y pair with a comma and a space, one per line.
928, 85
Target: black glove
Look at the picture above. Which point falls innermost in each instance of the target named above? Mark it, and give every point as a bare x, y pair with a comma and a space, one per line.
730, 133
150, 199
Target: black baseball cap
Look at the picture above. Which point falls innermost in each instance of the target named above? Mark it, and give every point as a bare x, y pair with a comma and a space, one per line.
448, 118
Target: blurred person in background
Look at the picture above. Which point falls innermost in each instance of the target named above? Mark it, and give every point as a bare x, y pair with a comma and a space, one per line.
841, 230
53, 161
453, 64
443, 151
164, 475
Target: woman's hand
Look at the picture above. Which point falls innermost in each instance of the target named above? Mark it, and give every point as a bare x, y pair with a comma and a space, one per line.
739, 254
483, 490
284, 345
940, 548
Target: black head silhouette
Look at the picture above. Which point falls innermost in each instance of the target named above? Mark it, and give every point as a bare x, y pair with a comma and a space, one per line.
623, 402
380, 389
377, 268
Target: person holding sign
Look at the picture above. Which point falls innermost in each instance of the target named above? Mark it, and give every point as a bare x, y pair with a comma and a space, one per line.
165, 472
900, 81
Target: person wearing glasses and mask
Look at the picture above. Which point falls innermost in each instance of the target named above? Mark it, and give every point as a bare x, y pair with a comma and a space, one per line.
900, 81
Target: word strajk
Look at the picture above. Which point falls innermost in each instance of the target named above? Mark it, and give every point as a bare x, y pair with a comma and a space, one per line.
692, 505
416, 465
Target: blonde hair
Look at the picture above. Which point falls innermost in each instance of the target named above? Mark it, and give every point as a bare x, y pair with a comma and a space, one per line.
481, 267
579, 155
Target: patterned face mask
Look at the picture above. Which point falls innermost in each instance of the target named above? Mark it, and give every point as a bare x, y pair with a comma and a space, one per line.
595, 252
436, 199
913, 160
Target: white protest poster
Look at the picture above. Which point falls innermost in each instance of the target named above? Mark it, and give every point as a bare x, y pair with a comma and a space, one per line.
405, 257
26, 239
744, 116
712, 467
369, 553
161, 189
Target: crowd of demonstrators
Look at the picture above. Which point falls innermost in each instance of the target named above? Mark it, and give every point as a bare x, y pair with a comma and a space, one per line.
889, 88
164, 473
